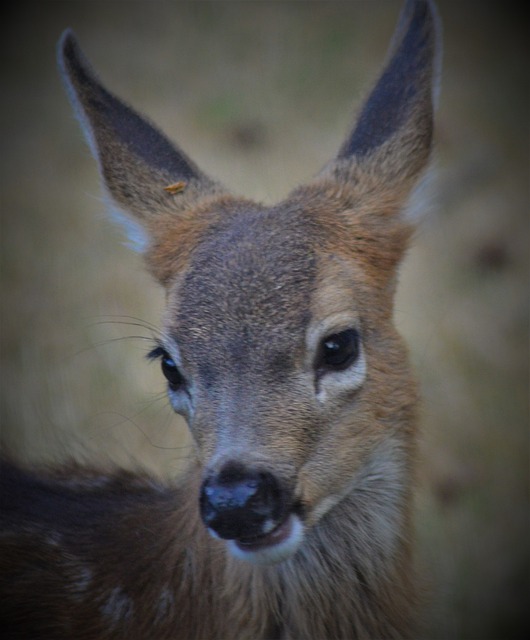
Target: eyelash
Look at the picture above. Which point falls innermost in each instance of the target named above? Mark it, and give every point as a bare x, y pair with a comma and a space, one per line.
170, 370
156, 353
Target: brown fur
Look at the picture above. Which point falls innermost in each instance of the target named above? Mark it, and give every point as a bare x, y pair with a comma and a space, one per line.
252, 291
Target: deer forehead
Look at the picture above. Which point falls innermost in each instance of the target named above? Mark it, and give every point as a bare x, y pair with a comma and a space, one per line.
247, 289
255, 286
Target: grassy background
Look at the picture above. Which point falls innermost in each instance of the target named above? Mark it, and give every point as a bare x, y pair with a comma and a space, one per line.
260, 95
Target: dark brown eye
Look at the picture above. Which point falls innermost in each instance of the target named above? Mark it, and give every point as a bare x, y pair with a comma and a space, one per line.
338, 351
169, 368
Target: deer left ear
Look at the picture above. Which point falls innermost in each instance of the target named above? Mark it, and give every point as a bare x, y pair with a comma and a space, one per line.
392, 138
146, 175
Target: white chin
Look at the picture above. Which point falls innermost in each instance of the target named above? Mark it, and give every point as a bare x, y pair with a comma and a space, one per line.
275, 552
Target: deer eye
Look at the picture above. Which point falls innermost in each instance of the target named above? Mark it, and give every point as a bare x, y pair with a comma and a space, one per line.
168, 366
338, 351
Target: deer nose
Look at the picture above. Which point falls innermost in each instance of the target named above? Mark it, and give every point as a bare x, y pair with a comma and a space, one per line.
239, 503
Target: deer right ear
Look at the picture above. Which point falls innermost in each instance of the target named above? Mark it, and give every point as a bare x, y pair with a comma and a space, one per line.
391, 140
144, 173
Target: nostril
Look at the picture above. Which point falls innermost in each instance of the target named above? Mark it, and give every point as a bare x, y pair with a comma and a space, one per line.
239, 503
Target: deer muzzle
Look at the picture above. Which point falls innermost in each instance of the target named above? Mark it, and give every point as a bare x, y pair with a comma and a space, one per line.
248, 507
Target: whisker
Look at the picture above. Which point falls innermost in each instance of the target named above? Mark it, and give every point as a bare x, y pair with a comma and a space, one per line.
103, 343
128, 419
127, 321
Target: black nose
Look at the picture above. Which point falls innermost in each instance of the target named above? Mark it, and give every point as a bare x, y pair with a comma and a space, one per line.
240, 503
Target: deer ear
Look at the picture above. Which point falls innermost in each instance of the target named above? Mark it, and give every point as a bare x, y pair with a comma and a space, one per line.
144, 173
392, 137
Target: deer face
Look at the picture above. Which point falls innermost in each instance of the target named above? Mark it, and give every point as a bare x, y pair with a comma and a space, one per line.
268, 342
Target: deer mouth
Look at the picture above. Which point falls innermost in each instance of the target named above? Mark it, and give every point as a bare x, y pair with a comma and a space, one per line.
272, 547
277, 535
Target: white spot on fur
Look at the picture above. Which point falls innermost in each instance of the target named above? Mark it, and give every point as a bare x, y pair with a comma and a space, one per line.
164, 605
84, 580
118, 608
53, 539
81, 585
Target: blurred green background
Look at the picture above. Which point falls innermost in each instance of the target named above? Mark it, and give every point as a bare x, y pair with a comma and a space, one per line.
260, 94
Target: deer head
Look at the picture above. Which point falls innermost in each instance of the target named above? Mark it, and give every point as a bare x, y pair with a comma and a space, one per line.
278, 340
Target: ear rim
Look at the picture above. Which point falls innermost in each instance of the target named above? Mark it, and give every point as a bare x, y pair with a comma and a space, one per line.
69, 36
437, 59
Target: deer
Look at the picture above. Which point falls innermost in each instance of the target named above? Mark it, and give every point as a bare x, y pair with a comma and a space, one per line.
294, 518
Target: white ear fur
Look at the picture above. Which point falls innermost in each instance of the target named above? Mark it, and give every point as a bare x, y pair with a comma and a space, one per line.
137, 237
422, 202
77, 107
